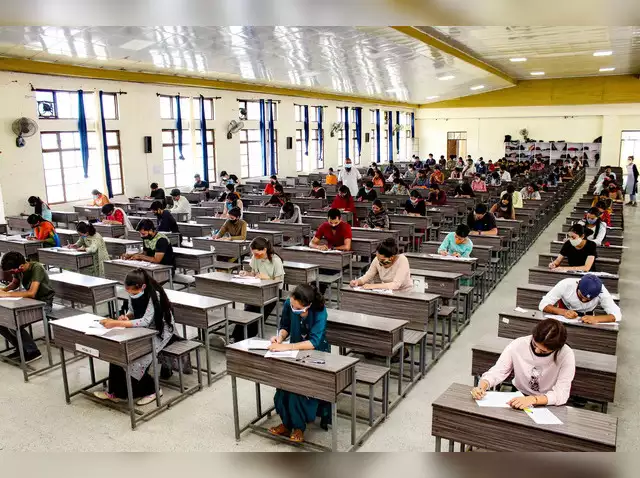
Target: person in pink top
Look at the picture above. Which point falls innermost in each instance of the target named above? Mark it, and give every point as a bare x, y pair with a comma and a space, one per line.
478, 185
542, 364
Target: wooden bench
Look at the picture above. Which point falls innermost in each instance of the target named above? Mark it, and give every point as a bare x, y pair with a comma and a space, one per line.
179, 350
370, 375
413, 338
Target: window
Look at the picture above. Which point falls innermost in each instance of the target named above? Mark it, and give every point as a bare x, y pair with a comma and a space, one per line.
63, 170
177, 172
302, 160
341, 150
211, 154
59, 104
169, 110
384, 145
372, 116
208, 108
406, 143
250, 110
355, 153
251, 152
299, 113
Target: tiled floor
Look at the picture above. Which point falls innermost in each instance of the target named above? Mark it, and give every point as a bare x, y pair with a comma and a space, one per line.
34, 416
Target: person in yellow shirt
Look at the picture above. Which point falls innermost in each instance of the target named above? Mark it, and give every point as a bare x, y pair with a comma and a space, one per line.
99, 199
331, 177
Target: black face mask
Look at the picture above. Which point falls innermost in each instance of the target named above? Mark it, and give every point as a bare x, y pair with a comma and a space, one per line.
538, 354
233, 221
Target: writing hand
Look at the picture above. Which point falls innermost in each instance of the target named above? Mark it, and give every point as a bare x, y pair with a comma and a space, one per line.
570, 314
590, 319
456, 254
123, 317
478, 393
443, 253
275, 340
354, 283
279, 347
552, 265
521, 403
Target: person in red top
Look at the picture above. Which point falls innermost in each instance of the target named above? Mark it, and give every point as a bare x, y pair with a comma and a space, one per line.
270, 188
437, 177
437, 197
344, 202
43, 231
336, 233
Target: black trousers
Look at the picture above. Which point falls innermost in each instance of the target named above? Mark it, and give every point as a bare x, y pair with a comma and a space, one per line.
252, 329
118, 383
29, 345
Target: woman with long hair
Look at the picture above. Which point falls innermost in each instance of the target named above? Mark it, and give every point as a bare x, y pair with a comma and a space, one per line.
43, 230
40, 207
148, 307
91, 241
504, 209
345, 202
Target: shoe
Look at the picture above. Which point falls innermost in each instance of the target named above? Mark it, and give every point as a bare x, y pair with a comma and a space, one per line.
626, 204
102, 395
148, 399
280, 430
28, 358
297, 436
635, 204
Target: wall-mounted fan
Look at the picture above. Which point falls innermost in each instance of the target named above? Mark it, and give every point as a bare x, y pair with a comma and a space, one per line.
335, 127
46, 109
23, 128
234, 127
398, 127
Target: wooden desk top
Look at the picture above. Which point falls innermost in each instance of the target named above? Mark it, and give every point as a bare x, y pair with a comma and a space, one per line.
23, 303
125, 242
186, 251
79, 323
63, 250
438, 257
82, 280
299, 265
437, 274
364, 320
138, 264
196, 301
538, 315
224, 277
417, 296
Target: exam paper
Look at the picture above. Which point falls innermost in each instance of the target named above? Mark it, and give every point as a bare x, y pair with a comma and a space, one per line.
284, 354
521, 310
497, 399
246, 279
562, 318
141, 264
451, 258
256, 344
10, 298
95, 331
542, 416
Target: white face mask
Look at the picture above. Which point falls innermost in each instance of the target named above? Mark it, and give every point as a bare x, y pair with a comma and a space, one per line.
575, 242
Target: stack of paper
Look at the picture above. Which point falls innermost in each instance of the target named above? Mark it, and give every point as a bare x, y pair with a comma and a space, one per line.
257, 344
498, 399
452, 258
520, 309
562, 318
284, 354
245, 279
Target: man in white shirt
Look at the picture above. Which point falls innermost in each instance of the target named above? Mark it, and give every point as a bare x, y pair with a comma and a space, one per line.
349, 177
576, 297
505, 176
180, 204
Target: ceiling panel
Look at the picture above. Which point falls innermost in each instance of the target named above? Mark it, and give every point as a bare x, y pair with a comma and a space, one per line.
376, 62
558, 51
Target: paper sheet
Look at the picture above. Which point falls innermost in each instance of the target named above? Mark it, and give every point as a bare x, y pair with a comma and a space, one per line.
95, 331
542, 416
521, 310
497, 399
284, 354
257, 344
141, 264
246, 279
378, 291
10, 298
562, 318
452, 258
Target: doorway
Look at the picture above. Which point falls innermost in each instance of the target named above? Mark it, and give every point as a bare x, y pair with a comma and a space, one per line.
457, 144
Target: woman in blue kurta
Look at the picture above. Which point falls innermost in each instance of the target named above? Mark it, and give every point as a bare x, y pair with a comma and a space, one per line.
304, 322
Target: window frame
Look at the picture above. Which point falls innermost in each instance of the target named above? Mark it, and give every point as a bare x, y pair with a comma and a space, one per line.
56, 115
246, 106
245, 132
174, 144
198, 144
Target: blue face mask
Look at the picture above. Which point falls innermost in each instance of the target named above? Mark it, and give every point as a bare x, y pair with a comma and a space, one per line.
229, 206
298, 311
138, 295
592, 221
367, 190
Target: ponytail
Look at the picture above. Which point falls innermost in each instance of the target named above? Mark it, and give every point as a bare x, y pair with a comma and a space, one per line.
260, 243
308, 295
162, 307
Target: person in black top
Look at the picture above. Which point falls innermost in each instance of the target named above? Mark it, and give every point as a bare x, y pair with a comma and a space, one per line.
367, 193
415, 205
504, 209
579, 251
166, 221
372, 170
464, 190
278, 198
482, 222
200, 185
157, 192
229, 189
317, 191
156, 247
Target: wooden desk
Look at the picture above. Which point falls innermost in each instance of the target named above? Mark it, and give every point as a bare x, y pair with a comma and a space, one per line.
333, 260
322, 381
444, 284
119, 347
465, 266
208, 209
118, 269
254, 217
194, 230
25, 247
595, 377
379, 234
111, 230
550, 277
611, 239
300, 232
603, 264
600, 338
64, 258
234, 249
220, 285
296, 273
18, 223
84, 289
88, 212
274, 237
365, 248
193, 259
16, 314
195, 197
347, 216
116, 246
530, 295
457, 418
611, 252
142, 203
125, 206
66, 217
67, 236
212, 221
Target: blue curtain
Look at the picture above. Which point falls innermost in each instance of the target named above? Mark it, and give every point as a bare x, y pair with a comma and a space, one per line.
263, 138
358, 129
272, 140
398, 133
203, 140
320, 113
82, 128
306, 129
105, 149
378, 131
179, 126
346, 132
390, 134
413, 125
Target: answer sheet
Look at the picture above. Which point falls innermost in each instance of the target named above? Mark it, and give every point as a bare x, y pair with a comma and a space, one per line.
498, 399
542, 416
284, 354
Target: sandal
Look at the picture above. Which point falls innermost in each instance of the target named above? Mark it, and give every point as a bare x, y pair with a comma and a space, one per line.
280, 430
297, 436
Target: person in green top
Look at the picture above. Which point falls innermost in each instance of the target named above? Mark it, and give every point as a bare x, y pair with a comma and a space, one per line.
33, 278
265, 264
91, 241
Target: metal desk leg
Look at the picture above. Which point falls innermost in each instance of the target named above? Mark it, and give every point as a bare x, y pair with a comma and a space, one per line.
334, 427
65, 380
236, 419
435, 333
156, 382
92, 370
132, 412
226, 326
258, 400
438, 444
207, 354
23, 363
353, 408
262, 320
47, 339
401, 377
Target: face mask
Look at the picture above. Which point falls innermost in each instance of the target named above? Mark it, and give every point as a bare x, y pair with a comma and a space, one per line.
95, 196
233, 221
592, 221
503, 208
385, 262
273, 182
347, 167
538, 354
333, 226
575, 242
298, 311
414, 201
138, 295
367, 190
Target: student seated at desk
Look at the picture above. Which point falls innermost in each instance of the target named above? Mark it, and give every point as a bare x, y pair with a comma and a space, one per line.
156, 247
377, 217
399, 188
43, 231
504, 208
116, 215
572, 298
156, 192
421, 181
457, 243
336, 233
40, 207
605, 208
482, 222
437, 177
225, 179
456, 174
269, 189
148, 307
542, 364
493, 179
180, 204
34, 279
415, 205
234, 228
166, 221
516, 197
304, 323
366, 193
317, 191
593, 223
531, 192
478, 184
228, 188
614, 192
464, 190
410, 174
92, 242
331, 178
289, 214
372, 170
437, 197
99, 199
578, 250
265, 264
378, 179
389, 268
232, 201
200, 184
344, 202
278, 198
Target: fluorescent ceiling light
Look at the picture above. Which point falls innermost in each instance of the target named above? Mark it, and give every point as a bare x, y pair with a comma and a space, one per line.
446, 77
537, 73
308, 74
611, 68
136, 44
603, 53
393, 90
432, 97
477, 87
517, 60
